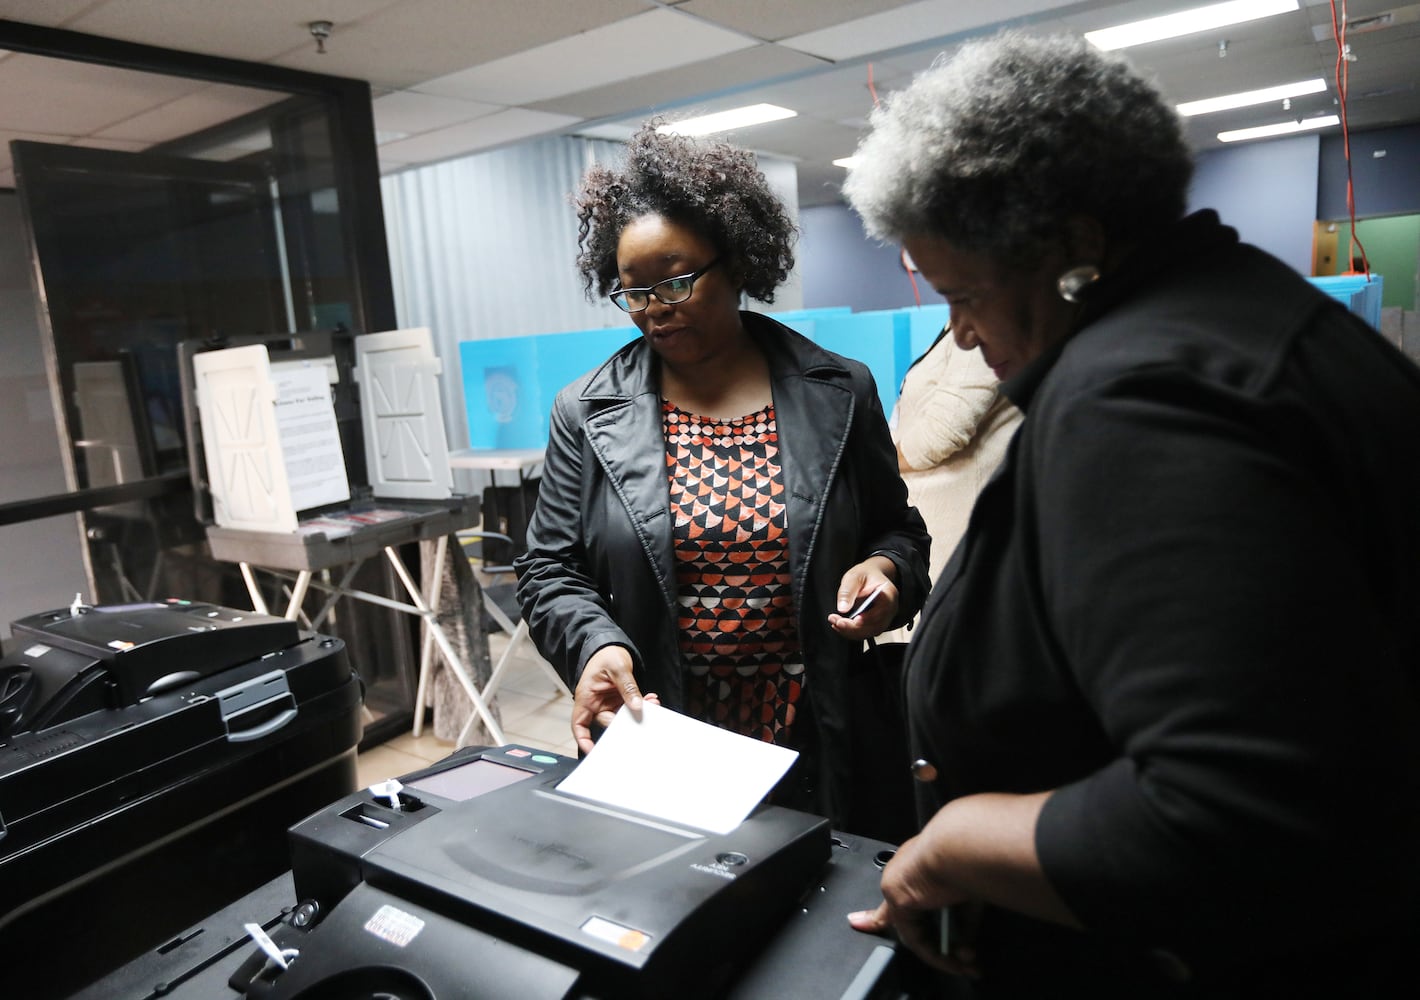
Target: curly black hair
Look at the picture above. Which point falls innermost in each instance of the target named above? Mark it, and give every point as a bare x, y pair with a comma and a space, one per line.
712, 187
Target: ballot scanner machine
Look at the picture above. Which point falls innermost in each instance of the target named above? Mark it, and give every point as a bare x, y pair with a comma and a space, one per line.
478, 878
152, 757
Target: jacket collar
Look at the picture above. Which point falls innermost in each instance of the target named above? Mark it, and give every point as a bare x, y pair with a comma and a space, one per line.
625, 432
1198, 234
632, 371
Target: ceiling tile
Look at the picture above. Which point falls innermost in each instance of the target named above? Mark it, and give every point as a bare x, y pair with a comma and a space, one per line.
210, 106
690, 83
909, 25
411, 113
773, 21
418, 40
255, 30
47, 13
649, 42
484, 133
73, 98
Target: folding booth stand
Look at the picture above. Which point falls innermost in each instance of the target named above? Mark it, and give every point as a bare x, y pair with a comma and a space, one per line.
282, 501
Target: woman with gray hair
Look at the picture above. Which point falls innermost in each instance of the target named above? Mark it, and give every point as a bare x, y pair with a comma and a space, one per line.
1163, 700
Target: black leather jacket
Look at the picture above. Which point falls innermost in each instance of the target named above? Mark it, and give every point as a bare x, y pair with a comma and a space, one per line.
600, 569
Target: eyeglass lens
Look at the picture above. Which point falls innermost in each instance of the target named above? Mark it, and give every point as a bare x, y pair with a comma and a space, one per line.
671, 291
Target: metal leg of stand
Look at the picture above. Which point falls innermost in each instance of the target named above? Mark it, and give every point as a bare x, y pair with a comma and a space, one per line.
258, 603
298, 594
340, 590
517, 635
426, 649
495, 731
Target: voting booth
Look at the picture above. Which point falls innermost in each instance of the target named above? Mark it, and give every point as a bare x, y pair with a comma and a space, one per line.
482, 877
319, 453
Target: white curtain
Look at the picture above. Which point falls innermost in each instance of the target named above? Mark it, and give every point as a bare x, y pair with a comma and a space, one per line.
484, 247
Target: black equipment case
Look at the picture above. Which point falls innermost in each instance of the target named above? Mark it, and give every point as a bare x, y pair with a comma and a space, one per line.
152, 757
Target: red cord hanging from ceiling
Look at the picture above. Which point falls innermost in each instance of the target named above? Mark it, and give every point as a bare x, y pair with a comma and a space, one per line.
1343, 73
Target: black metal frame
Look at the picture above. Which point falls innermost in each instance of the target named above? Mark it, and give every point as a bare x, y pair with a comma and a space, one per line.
356, 173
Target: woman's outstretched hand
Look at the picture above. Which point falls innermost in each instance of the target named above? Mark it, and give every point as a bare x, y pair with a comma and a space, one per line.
607, 683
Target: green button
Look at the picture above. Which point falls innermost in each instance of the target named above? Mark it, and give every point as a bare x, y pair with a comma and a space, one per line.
543, 758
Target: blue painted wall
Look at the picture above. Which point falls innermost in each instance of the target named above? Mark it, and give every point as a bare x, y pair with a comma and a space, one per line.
1271, 192
1385, 166
842, 266
1266, 191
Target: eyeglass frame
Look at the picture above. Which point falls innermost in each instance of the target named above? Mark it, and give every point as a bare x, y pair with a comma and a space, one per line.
650, 290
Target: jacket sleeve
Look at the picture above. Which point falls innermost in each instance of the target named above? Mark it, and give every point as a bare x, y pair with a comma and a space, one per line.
891, 526
1196, 569
942, 403
567, 615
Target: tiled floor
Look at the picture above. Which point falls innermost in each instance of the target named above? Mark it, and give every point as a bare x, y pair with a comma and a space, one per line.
534, 711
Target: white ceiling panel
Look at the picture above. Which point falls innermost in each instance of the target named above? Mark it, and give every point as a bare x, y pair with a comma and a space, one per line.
910, 24
59, 96
49, 13
689, 84
417, 40
649, 42
774, 21
210, 106
255, 30
484, 133
410, 113
460, 76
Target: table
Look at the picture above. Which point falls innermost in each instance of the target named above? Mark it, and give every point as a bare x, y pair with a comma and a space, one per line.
298, 556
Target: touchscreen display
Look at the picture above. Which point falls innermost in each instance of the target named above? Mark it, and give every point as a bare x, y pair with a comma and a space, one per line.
468, 781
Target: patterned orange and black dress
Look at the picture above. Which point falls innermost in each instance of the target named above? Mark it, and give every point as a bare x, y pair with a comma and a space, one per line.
738, 629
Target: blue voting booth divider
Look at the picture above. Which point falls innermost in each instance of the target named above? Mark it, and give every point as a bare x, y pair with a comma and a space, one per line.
509, 383
1357, 292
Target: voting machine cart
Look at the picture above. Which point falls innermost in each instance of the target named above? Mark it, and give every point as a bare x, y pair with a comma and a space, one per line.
152, 757
478, 878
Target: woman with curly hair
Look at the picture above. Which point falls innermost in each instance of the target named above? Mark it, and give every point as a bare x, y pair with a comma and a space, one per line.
721, 491
1163, 700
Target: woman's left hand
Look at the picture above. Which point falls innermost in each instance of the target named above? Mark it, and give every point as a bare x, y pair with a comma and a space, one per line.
873, 578
976, 849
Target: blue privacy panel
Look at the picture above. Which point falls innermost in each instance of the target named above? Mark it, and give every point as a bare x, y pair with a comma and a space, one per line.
509, 383
926, 322
878, 339
1356, 293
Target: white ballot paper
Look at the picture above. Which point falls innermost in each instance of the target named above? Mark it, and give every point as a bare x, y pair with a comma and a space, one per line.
310, 436
673, 768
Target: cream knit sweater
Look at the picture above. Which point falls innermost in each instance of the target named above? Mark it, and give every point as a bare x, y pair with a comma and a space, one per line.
952, 426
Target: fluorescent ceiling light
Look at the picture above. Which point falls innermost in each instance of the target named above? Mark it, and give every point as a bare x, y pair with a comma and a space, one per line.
1186, 22
723, 121
1281, 128
846, 162
1251, 97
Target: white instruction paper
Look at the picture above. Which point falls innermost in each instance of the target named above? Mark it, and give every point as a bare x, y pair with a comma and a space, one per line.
310, 437
671, 767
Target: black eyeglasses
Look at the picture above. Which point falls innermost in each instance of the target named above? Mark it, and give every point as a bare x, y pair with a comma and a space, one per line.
672, 291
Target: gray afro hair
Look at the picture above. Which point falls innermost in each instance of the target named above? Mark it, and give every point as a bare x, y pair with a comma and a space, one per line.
995, 147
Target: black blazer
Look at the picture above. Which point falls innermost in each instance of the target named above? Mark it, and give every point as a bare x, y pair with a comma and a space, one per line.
1189, 602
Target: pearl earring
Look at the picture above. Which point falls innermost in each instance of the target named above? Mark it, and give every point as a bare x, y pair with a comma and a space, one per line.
1072, 284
